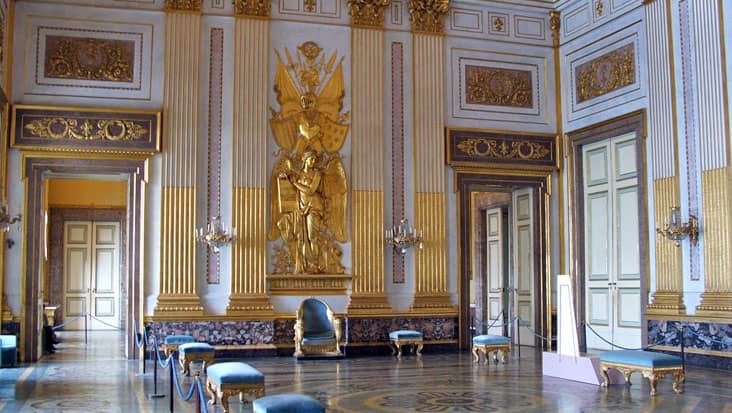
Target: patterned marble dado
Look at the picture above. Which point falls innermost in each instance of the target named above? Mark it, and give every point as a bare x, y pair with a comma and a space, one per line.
699, 338
369, 330
243, 332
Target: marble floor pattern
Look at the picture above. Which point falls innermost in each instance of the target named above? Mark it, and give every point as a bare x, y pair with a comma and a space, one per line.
95, 377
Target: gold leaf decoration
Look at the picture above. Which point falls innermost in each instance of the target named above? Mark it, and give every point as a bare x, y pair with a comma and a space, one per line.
86, 129
498, 87
501, 149
183, 5
428, 15
606, 73
251, 8
368, 12
84, 58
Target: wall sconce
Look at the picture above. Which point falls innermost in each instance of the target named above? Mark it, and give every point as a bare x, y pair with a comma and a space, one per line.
403, 236
676, 231
5, 219
216, 234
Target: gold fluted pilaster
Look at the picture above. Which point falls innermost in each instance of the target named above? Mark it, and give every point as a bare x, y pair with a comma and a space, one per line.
429, 159
717, 204
368, 294
182, 47
248, 278
668, 297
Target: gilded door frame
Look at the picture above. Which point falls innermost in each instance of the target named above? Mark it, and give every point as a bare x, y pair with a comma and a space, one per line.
469, 180
632, 122
36, 168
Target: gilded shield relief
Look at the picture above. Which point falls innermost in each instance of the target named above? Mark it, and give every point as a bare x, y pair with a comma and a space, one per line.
308, 185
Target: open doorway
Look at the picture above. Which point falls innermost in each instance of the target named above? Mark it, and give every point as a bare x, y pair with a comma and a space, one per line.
87, 238
504, 255
38, 172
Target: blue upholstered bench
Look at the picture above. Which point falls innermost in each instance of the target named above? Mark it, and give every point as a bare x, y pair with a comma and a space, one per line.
491, 343
190, 352
399, 338
173, 342
9, 349
288, 403
228, 379
652, 365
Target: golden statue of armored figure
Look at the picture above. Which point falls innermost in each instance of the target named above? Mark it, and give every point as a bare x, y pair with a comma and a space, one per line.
308, 185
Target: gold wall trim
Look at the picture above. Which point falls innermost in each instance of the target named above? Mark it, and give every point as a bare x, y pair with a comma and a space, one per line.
695, 351
716, 193
692, 318
251, 8
308, 284
428, 16
668, 298
368, 13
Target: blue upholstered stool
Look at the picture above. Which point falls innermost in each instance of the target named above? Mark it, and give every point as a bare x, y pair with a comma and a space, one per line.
190, 352
227, 379
399, 338
651, 364
288, 403
491, 343
173, 342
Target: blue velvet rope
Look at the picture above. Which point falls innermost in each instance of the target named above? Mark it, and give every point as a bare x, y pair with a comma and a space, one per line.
615, 345
535, 333
163, 364
143, 335
66, 323
201, 396
177, 384
105, 323
495, 320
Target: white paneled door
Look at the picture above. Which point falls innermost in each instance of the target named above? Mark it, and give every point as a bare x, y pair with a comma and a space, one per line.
523, 280
495, 269
91, 273
612, 255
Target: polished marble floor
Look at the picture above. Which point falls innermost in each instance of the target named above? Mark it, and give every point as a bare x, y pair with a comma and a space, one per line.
95, 377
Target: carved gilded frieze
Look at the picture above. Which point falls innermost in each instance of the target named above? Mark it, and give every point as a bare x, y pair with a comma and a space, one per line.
468, 147
498, 87
85, 58
428, 15
604, 74
183, 5
368, 12
309, 188
81, 130
259, 8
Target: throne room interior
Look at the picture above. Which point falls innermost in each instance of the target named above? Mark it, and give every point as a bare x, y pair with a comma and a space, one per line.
200, 167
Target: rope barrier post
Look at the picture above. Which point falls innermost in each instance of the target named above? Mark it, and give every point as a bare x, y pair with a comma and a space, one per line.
196, 382
172, 379
156, 356
144, 350
683, 357
518, 336
86, 328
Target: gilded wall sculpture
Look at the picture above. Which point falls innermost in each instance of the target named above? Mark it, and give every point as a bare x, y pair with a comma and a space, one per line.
309, 189
604, 74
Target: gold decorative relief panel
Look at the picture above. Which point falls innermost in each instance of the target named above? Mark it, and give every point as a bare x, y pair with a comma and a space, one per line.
498, 87
473, 147
89, 58
605, 74
80, 58
85, 130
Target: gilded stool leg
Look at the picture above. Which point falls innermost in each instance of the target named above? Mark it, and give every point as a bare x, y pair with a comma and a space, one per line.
224, 396
605, 378
504, 355
211, 391
653, 380
393, 348
476, 356
419, 349
495, 356
678, 379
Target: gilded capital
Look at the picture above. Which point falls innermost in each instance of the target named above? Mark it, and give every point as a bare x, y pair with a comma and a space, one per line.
258, 8
183, 5
368, 12
555, 23
428, 15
